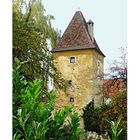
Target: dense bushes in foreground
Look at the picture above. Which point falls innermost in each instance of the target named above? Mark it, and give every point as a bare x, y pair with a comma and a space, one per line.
33, 119
95, 118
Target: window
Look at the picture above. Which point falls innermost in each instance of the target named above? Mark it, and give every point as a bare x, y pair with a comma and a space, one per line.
71, 99
70, 82
72, 59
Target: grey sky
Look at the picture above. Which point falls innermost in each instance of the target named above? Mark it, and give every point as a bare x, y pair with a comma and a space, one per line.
109, 17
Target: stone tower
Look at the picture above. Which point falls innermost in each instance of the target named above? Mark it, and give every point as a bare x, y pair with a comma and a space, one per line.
80, 61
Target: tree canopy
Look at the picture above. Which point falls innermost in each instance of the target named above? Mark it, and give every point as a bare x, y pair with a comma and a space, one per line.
32, 37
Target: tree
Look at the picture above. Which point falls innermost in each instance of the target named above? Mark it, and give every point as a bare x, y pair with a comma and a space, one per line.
116, 80
32, 37
118, 68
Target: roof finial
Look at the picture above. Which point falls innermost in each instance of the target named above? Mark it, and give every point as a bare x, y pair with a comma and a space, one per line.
78, 8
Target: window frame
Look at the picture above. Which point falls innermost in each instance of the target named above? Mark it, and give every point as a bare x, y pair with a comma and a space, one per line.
72, 57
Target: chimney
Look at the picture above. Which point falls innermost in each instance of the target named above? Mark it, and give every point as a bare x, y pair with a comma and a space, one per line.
90, 26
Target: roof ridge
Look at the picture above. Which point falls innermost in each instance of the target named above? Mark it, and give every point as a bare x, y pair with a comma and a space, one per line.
66, 29
87, 28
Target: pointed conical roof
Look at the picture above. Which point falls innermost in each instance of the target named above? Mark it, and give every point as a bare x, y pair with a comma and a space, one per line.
76, 36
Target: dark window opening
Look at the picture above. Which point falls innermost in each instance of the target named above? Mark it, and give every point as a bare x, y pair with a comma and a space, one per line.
71, 100
70, 82
72, 59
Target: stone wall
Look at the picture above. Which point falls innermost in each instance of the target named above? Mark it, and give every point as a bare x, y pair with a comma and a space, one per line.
85, 75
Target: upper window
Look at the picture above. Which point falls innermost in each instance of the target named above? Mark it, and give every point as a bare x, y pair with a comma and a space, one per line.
72, 60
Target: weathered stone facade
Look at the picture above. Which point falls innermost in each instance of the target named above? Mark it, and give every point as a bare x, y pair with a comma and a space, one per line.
86, 83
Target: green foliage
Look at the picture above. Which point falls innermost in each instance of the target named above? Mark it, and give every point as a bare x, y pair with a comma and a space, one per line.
75, 130
91, 118
114, 130
19, 84
33, 119
94, 117
32, 37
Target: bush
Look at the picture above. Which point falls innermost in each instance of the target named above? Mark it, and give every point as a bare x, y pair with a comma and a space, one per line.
114, 131
94, 118
91, 118
33, 119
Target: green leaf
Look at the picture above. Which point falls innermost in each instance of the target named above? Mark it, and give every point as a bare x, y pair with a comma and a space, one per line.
16, 136
27, 117
120, 131
118, 121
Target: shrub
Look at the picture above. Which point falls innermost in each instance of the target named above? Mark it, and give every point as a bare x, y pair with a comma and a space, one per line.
94, 117
114, 131
91, 118
33, 119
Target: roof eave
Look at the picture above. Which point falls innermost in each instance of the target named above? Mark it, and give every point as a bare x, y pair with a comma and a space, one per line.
100, 52
70, 49
75, 49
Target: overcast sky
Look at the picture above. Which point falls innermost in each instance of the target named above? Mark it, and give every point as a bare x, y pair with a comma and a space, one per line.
109, 17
